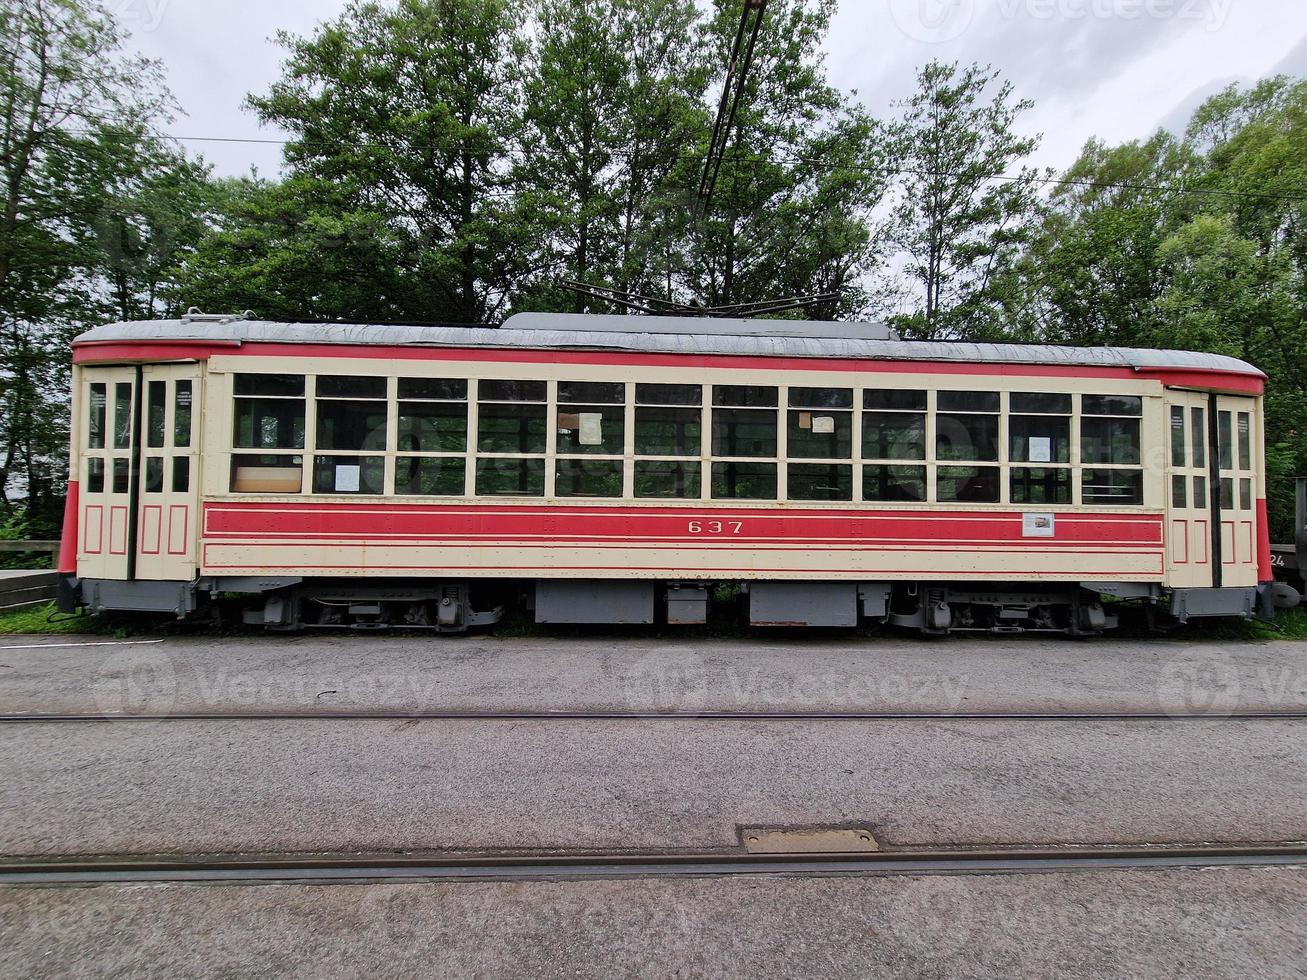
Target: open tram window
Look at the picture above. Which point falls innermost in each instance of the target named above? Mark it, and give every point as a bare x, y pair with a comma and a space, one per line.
893, 424
968, 484
894, 484
966, 427
351, 417
431, 440
820, 424
1112, 487
269, 425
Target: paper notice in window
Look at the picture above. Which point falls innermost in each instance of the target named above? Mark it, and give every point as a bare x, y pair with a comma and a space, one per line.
823, 424
592, 429
1038, 525
1041, 449
347, 478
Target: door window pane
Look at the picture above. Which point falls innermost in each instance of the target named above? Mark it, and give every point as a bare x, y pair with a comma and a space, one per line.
1041, 486
430, 476
181, 474
1200, 491
95, 421
432, 427
511, 428
744, 432
181, 415
349, 474
1110, 441
667, 478
1245, 494
95, 475
122, 415
1180, 489
156, 408
1198, 436
744, 481
967, 437
510, 477
968, 484
818, 434
122, 477
589, 478
1245, 441
1179, 455
154, 474
894, 483
668, 431
1225, 439
1227, 493
1112, 487
1039, 439
893, 435
820, 481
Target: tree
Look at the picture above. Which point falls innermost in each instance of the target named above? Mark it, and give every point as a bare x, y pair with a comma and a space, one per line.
964, 214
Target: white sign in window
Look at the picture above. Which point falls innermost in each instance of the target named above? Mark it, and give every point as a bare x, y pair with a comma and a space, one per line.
347, 478
1041, 449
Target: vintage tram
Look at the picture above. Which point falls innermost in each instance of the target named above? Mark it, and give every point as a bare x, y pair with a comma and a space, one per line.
618, 469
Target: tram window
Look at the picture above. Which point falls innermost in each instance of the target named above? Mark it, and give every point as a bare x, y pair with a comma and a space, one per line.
589, 478
1178, 453
349, 474
266, 473
819, 481
432, 427
667, 478
967, 438
906, 484
968, 484
595, 392
744, 396
122, 477
270, 385
1180, 489
181, 474
821, 398
1112, 441
349, 386
820, 434
744, 432
1198, 437
154, 474
1040, 403
269, 412
95, 422
1200, 492
430, 476
1041, 486
433, 389
1245, 494
95, 475
511, 428
894, 435
1112, 487
351, 426
1225, 439
969, 401
500, 477
1130, 406
511, 391
744, 481
156, 409
668, 431
1227, 493
1039, 439
122, 415
1245, 441
591, 429
181, 414
651, 394
893, 400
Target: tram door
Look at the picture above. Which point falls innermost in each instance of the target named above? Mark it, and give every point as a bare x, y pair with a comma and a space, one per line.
168, 505
108, 437
1211, 520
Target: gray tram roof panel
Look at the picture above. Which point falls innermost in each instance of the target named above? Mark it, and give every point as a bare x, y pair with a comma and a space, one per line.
625, 333
700, 326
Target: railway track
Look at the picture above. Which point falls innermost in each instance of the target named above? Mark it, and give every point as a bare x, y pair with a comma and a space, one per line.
17, 718
353, 868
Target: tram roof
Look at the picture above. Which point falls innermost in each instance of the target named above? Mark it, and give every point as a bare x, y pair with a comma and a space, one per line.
662, 335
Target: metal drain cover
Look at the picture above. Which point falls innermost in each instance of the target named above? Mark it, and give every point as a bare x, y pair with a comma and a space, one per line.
829, 840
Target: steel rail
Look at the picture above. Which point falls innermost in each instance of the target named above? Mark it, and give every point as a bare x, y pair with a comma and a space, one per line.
476, 714
353, 868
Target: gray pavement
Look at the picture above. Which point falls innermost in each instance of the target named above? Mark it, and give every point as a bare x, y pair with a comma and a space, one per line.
1216, 923
93, 674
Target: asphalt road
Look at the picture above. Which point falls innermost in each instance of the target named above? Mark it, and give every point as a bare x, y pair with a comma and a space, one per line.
193, 787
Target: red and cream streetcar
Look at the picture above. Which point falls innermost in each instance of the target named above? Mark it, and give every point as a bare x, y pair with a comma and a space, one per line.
612, 469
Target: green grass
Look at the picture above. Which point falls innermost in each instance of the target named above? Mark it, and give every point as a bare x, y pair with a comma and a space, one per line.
46, 619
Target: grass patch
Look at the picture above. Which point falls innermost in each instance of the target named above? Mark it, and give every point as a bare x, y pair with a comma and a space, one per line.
45, 619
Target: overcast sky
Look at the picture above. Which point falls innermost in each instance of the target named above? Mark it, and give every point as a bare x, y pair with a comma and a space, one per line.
1117, 69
